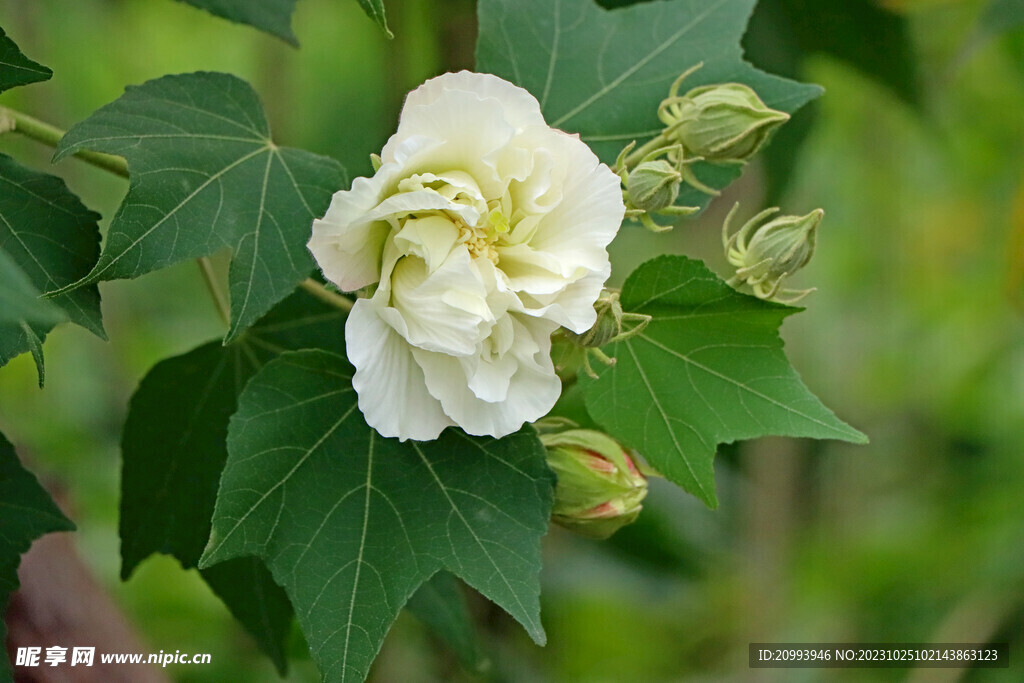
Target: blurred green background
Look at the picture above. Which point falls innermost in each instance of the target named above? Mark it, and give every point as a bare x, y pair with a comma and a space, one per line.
915, 336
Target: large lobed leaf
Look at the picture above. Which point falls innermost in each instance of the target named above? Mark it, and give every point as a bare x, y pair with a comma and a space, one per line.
48, 239
351, 524
26, 513
602, 73
205, 174
17, 69
174, 449
708, 369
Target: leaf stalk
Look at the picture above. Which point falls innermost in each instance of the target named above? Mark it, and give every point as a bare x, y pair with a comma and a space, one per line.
50, 135
326, 295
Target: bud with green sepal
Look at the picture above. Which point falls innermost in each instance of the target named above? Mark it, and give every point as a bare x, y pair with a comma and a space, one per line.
599, 487
612, 325
764, 255
721, 123
652, 186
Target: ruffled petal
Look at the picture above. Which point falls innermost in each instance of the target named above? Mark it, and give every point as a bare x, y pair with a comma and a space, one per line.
573, 306
445, 311
392, 391
580, 227
346, 243
431, 238
521, 108
532, 389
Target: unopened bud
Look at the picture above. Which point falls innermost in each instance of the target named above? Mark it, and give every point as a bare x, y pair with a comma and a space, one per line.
722, 123
607, 326
764, 255
653, 185
599, 488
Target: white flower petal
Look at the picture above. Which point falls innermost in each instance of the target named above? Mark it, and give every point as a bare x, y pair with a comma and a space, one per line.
520, 107
584, 222
468, 129
431, 238
536, 272
532, 390
445, 311
346, 243
391, 387
573, 307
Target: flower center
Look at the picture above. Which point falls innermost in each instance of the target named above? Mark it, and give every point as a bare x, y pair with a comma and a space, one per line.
481, 239
482, 227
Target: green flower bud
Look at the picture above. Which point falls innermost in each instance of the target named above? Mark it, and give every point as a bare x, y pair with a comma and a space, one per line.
599, 488
607, 326
765, 255
653, 185
722, 123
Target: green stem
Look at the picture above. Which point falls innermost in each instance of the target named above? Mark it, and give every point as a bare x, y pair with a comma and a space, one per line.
210, 278
40, 131
326, 295
645, 149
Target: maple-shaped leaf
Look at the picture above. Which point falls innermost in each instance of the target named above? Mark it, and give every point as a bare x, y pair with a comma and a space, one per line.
708, 369
205, 174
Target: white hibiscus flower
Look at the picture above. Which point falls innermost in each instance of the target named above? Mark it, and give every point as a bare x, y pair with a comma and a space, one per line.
484, 230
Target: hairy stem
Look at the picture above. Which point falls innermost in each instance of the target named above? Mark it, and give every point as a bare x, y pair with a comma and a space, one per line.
14, 121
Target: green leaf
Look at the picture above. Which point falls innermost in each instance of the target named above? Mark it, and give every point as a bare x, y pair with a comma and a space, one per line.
48, 239
708, 369
26, 513
249, 592
205, 174
53, 238
174, 449
375, 10
440, 604
351, 524
19, 300
24, 316
17, 69
272, 16
602, 73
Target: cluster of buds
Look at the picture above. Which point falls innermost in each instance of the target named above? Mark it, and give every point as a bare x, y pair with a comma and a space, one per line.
612, 325
599, 488
764, 254
725, 123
